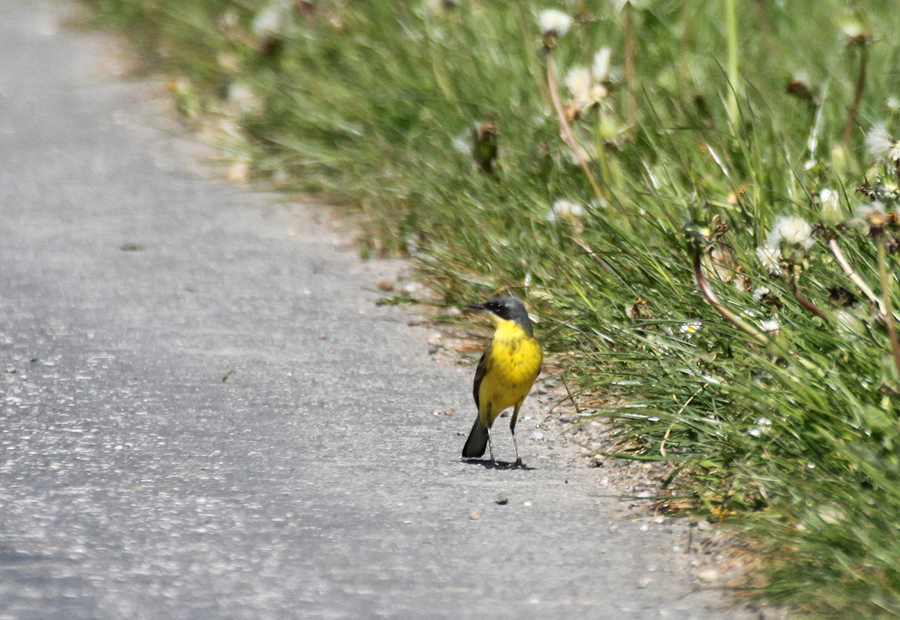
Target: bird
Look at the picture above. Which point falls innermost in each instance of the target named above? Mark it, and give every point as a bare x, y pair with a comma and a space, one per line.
507, 370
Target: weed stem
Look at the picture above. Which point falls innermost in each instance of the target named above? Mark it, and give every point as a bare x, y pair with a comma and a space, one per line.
713, 300
630, 54
569, 136
733, 74
886, 295
804, 301
857, 95
857, 280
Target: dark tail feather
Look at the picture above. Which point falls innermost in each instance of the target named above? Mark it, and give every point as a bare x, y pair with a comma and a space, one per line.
476, 444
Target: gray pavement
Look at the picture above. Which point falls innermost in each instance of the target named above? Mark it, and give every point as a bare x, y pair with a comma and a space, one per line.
316, 481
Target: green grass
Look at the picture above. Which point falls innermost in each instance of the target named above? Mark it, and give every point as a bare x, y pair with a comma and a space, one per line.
793, 434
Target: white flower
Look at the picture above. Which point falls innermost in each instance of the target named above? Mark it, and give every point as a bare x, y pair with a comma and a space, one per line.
579, 82
760, 291
463, 143
554, 23
602, 63
832, 515
770, 259
790, 230
244, 100
881, 145
568, 211
690, 328
762, 425
274, 19
770, 325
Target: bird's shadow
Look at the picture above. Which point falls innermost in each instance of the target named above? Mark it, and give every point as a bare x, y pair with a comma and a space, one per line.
488, 464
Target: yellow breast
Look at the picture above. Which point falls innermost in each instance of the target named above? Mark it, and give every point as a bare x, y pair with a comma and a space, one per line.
513, 364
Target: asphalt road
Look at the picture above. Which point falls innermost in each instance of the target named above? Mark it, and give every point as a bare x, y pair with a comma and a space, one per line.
316, 481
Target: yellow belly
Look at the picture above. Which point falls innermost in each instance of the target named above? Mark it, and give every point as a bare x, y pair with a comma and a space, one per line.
512, 366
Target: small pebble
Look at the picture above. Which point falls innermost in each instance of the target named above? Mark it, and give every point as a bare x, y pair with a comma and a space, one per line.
613, 528
703, 525
708, 575
239, 172
643, 583
475, 516
501, 499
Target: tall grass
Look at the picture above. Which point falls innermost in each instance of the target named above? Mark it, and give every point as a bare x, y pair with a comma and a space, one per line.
630, 221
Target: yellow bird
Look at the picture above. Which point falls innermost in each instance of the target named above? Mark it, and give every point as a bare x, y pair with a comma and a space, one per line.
505, 374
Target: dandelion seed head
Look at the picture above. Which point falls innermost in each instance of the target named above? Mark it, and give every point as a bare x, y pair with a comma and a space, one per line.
274, 19
596, 93
579, 82
554, 22
790, 230
602, 64
881, 145
770, 258
872, 216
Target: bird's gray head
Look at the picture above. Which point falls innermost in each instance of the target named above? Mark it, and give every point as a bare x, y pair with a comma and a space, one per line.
508, 308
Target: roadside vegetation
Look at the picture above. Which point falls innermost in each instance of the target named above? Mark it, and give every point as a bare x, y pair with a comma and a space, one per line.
698, 200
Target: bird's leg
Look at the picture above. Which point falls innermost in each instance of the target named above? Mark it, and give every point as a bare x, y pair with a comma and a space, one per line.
512, 430
490, 445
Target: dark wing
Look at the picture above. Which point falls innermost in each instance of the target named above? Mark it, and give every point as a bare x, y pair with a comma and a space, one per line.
479, 375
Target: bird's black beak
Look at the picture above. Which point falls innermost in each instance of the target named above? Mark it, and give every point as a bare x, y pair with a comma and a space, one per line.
476, 306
